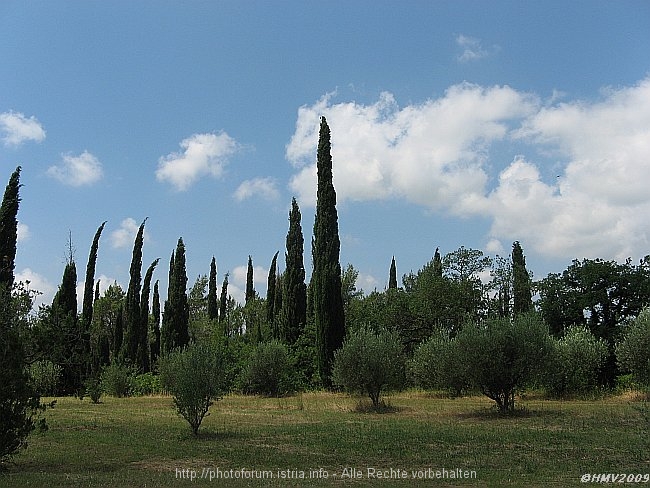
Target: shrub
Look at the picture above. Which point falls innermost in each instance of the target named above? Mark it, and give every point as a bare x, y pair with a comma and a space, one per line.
146, 384
633, 352
116, 380
195, 376
269, 370
503, 355
45, 376
577, 357
93, 386
437, 364
370, 362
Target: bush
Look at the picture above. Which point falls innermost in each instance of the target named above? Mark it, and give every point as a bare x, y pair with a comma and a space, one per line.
116, 380
269, 370
577, 357
45, 377
437, 364
93, 386
146, 384
504, 355
195, 376
369, 363
633, 352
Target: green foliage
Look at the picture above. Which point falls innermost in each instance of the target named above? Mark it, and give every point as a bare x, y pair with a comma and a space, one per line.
576, 360
146, 384
195, 376
270, 298
250, 289
9, 230
269, 370
94, 389
213, 304
521, 282
132, 314
174, 331
633, 351
117, 380
392, 275
369, 363
438, 364
45, 376
503, 355
294, 290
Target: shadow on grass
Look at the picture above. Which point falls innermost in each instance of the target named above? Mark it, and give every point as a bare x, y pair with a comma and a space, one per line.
492, 413
210, 435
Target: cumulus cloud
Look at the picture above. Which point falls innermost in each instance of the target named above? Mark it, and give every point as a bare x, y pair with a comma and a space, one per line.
38, 283
17, 129
201, 155
23, 232
472, 49
81, 170
124, 236
265, 188
430, 154
440, 154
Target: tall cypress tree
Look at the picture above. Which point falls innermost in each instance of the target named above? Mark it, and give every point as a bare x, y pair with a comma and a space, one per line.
155, 324
142, 357
88, 299
213, 302
250, 289
392, 275
9, 232
294, 310
437, 264
132, 314
167, 340
270, 297
521, 282
177, 311
223, 302
326, 278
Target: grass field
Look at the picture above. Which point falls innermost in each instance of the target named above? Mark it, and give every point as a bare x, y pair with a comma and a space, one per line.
142, 442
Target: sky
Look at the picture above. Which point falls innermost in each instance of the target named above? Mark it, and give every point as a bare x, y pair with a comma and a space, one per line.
464, 123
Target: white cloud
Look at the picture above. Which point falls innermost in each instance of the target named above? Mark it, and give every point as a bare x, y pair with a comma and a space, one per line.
23, 232
265, 188
431, 154
17, 129
238, 275
367, 283
202, 155
81, 170
37, 283
124, 236
472, 49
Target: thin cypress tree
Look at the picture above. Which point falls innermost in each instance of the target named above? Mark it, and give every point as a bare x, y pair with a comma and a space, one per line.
223, 303
294, 311
132, 314
437, 264
88, 299
177, 311
143, 359
167, 339
213, 302
521, 282
155, 324
392, 275
250, 289
270, 296
326, 278
9, 232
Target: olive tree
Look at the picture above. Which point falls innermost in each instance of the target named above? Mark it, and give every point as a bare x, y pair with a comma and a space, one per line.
633, 352
195, 376
504, 355
369, 362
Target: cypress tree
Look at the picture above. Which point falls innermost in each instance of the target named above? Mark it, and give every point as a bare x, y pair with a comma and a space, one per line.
223, 302
270, 297
143, 359
437, 264
132, 314
213, 303
392, 278
155, 324
88, 299
9, 232
294, 311
326, 278
250, 289
177, 311
521, 282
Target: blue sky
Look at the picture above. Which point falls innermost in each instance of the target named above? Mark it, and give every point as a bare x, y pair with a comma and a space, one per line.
453, 123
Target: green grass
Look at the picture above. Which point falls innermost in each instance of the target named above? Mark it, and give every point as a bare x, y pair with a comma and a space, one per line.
142, 442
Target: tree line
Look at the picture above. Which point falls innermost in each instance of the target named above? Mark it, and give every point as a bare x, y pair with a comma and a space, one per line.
301, 325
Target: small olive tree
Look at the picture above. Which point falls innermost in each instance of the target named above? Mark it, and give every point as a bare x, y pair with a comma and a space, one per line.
195, 376
503, 355
633, 352
370, 362
269, 370
576, 359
